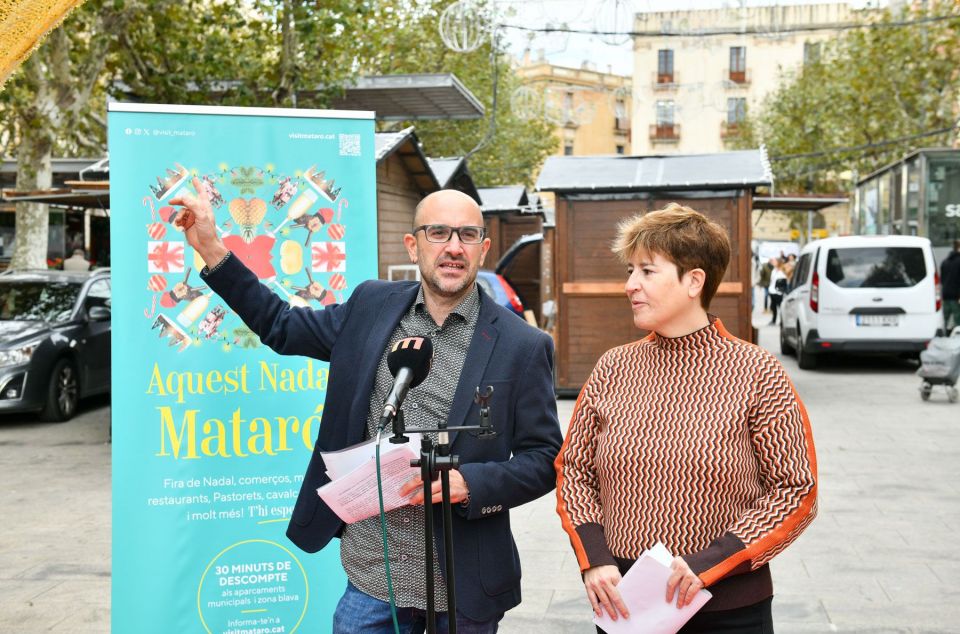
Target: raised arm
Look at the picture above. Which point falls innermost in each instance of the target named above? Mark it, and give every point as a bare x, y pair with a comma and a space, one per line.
199, 224
285, 329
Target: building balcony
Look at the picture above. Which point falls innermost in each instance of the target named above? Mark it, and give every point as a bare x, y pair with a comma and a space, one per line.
665, 132
729, 130
665, 81
737, 77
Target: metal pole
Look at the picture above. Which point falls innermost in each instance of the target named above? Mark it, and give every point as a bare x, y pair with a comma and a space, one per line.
448, 549
426, 448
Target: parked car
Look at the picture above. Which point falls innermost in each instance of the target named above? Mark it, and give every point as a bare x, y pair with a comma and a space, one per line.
500, 290
861, 294
54, 340
496, 283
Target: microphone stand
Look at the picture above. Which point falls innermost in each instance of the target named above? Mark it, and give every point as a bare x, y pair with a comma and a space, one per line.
436, 460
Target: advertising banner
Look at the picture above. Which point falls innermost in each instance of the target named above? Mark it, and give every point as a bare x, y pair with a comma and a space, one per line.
212, 431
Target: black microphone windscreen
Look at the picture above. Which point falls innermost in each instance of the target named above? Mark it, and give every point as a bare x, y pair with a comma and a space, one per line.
415, 353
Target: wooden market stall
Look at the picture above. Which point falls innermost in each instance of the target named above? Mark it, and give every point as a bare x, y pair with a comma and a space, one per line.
404, 177
593, 194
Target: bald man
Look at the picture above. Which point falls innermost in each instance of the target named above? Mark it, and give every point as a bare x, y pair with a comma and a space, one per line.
476, 343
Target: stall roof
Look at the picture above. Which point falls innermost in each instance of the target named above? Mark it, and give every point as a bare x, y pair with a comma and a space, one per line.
508, 198
744, 168
452, 173
407, 146
445, 168
79, 197
63, 169
549, 213
411, 97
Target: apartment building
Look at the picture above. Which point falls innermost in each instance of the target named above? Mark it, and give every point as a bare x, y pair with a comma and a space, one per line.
691, 91
590, 108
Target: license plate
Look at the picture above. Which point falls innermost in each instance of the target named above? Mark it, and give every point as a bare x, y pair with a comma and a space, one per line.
878, 320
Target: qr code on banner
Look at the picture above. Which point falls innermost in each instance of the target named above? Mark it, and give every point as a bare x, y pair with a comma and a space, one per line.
349, 145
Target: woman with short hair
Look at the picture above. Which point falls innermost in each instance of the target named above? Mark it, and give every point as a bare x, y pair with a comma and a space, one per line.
690, 437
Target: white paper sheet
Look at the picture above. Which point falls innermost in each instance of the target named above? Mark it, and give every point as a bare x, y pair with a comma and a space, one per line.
353, 496
340, 463
644, 591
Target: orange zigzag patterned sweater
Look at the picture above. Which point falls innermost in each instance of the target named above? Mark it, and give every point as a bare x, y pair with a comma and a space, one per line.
699, 442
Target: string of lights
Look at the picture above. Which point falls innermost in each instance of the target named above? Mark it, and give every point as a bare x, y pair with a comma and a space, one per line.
743, 30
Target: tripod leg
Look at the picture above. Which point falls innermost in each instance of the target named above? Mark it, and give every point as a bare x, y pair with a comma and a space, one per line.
448, 550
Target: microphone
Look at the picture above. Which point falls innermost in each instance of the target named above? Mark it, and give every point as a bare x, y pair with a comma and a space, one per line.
409, 362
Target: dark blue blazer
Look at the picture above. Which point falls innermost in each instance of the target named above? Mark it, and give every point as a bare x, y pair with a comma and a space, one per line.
514, 468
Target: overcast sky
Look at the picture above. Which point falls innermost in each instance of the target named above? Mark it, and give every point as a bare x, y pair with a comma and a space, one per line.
606, 15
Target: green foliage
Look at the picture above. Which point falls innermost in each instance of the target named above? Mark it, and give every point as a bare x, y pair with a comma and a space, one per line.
51, 96
869, 86
188, 52
516, 148
280, 53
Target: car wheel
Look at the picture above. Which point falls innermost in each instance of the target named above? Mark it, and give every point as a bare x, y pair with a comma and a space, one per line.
785, 347
63, 394
806, 360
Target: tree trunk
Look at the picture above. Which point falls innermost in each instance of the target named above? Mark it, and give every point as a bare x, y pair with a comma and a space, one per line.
34, 171
287, 88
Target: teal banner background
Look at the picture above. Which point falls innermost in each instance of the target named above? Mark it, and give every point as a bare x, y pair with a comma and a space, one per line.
212, 431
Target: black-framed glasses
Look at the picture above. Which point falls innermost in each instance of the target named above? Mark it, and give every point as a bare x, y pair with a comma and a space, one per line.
443, 233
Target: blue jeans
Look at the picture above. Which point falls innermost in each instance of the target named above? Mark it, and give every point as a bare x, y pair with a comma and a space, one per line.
360, 613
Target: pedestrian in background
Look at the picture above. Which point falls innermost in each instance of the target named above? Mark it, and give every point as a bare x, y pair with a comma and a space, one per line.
777, 287
76, 262
764, 283
950, 279
690, 437
788, 268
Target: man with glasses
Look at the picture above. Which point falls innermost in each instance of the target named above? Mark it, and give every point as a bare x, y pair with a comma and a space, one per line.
476, 343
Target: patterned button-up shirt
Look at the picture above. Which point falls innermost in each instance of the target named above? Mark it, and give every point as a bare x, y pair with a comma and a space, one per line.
361, 547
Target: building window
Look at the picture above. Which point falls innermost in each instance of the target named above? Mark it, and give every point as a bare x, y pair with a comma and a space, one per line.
568, 107
736, 110
621, 123
620, 149
738, 64
811, 52
665, 66
665, 127
665, 111
568, 148
736, 113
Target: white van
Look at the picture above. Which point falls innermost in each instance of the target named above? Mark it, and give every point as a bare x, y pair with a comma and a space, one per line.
861, 294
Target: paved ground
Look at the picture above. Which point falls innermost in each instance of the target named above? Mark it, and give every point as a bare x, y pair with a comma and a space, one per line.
55, 510
880, 558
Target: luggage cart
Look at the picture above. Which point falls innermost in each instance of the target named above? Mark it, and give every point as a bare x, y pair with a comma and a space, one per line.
940, 365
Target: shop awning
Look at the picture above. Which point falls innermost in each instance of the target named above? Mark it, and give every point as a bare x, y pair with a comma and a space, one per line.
411, 97
796, 203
